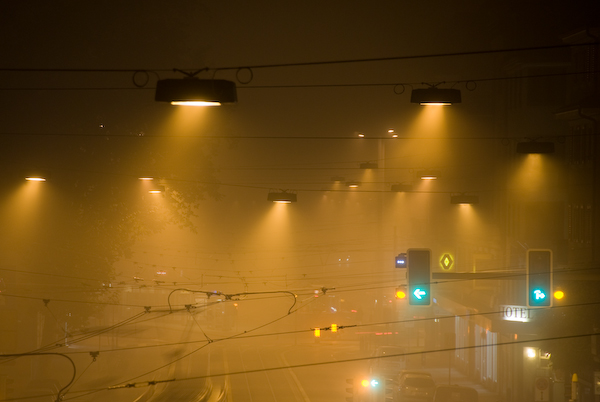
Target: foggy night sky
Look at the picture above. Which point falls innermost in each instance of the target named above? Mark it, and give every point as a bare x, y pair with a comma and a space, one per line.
157, 35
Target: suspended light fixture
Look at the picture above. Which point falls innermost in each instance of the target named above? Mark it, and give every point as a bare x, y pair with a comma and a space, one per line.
435, 96
282, 197
353, 184
401, 188
369, 165
37, 175
157, 190
193, 91
463, 199
535, 147
428, 174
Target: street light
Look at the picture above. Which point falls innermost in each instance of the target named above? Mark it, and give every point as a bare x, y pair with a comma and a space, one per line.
531, 353
37, 175
463, 199
535, 147
282, 197
435, 96
369, 165
192, 91
428, 174
157, 190
401, 188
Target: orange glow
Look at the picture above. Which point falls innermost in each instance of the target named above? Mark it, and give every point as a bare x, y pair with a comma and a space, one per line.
195, 103
31, 178
430, 121
146, 178
559, 294
317, 332
334, 328
435, 104
365, 383
536, 175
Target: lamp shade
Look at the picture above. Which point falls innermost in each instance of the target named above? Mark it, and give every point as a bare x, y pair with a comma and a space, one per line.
195, 92
435, 96
37, 175
428, 174
464, 199
282, 197
534, 147
401, 188
369, 165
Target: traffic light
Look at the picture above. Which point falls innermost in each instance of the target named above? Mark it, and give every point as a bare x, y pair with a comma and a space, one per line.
539, 278
419, 277
400, 260
559, 294
401, 292
350, 389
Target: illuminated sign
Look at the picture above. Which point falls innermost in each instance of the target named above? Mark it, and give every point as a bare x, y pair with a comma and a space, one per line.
516, 313
446, 262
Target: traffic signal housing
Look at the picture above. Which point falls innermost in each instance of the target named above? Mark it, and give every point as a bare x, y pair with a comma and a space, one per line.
401, 260
419, 277
401, 292
539, 278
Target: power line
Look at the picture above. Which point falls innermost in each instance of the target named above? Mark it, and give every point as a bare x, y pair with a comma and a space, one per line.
300, 64
310, 330
342, 361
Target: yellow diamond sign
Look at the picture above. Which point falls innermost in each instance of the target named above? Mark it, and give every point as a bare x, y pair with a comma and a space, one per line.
446, 262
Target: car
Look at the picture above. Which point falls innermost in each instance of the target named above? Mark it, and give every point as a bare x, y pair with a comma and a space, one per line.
388, 361
417, 386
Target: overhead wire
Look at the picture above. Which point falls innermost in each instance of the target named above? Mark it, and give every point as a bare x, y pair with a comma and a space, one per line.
341, 327
343, 361
220, 340
303, 64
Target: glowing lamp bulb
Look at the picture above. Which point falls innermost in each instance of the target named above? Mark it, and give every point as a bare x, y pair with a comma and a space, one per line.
435, 103
195, 103
531, 353
559, 294
365, 383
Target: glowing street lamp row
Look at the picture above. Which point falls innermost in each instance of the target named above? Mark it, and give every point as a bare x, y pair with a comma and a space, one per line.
192, 91
285, 197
